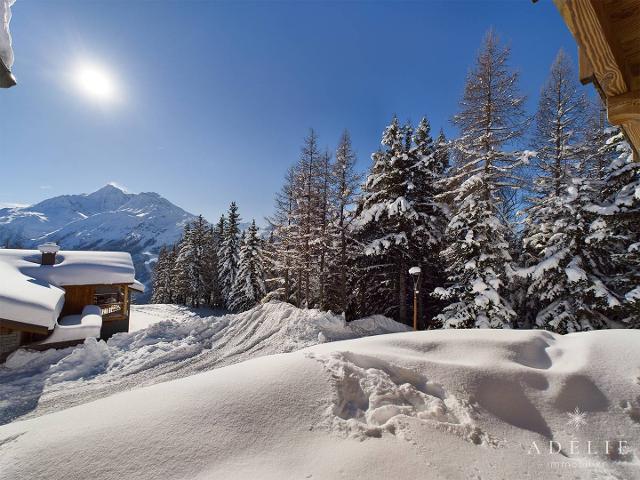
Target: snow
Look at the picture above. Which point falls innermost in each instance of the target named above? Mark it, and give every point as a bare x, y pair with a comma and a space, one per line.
6, 52
633, 294
447, 404
76, 327
29, 291
165, 342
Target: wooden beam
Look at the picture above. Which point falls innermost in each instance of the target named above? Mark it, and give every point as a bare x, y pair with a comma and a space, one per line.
585, 69
632, 131
23, 327
624, 108
590, 31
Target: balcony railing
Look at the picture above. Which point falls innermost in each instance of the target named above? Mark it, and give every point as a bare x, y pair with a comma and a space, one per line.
113, 311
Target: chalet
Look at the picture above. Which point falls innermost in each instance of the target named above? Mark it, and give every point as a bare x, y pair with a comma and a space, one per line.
52, 298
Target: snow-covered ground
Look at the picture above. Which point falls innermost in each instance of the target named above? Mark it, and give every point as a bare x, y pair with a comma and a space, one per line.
165, 342
439, 404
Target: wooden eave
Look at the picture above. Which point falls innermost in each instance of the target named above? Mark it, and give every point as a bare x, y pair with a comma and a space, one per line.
24, 327
607, 33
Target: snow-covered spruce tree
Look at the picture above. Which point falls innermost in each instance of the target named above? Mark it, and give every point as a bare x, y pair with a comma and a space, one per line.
425, 240
477, 257
441, 153
217, 235
228, 255
568, 281
345, 182
617, 227
162, 277
183, 268
190, 266
385, 220
567, 271
202, 242
209, 267
249, 287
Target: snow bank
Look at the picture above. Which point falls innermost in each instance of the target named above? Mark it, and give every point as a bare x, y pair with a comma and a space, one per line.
182, 344
6, 52
76, 328
453, 404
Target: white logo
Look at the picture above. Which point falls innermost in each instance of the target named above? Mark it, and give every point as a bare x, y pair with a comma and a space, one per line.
577, 419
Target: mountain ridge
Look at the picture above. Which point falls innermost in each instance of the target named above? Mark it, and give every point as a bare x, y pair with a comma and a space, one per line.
107, 219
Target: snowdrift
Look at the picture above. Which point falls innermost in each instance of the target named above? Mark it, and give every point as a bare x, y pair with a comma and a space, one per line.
32, 383
441, 404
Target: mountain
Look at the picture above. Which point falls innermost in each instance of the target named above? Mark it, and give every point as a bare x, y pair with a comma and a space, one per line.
108, 219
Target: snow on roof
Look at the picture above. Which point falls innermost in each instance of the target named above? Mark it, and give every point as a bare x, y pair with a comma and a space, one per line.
6, 52
30, 293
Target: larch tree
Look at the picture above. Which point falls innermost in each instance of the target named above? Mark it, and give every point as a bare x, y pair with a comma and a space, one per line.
477, 257
323, 217
305, 218
345, 188
282, 255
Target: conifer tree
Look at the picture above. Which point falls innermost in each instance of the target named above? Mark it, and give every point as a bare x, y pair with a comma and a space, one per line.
228, 256
209, 267
345, 188
568, 268
617, 228
305, 217
217, 236
322, 232
477, 257
282, 255
183, 268
162, 277
249, 286
384, 221
425, 239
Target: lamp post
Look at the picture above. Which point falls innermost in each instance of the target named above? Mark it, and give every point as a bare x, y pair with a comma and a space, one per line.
415, 275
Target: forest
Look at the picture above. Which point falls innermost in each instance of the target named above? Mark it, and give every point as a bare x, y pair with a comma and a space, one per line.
520, 221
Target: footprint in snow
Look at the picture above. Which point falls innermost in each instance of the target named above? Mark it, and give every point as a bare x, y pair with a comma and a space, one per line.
373, 396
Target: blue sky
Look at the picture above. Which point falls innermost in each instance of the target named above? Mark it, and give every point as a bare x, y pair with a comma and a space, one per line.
216, 97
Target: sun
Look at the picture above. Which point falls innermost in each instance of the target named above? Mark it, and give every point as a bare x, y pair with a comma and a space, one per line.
95, 82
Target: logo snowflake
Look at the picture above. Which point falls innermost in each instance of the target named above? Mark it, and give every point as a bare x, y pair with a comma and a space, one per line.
577, 419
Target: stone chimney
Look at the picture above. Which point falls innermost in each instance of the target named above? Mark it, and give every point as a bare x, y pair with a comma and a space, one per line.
49, 251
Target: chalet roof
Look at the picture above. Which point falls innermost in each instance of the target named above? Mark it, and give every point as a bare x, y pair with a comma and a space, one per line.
30, 292
608, 36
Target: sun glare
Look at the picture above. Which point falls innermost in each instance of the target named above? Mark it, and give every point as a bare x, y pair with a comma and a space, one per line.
95, 82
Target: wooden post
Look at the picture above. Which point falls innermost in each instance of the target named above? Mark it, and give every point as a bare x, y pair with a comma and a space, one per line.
415, 309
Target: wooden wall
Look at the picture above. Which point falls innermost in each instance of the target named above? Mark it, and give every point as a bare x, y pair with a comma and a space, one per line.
76, 298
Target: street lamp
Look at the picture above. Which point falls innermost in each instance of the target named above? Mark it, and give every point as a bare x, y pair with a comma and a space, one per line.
415, 275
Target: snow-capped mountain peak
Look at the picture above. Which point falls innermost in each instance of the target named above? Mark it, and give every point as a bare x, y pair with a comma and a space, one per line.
107, 219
